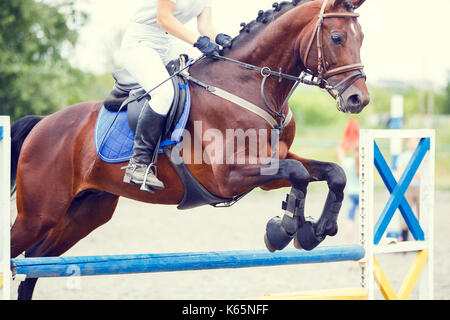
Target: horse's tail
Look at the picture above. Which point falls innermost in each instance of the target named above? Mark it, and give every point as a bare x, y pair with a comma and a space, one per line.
19, 131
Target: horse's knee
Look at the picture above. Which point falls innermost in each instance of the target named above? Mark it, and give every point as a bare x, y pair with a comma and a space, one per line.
337, 178
298, 174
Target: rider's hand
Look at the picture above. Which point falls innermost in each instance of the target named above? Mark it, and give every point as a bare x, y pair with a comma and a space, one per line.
223, 40
207, 47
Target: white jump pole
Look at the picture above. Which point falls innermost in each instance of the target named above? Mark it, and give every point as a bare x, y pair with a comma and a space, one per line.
396, 123
5, 164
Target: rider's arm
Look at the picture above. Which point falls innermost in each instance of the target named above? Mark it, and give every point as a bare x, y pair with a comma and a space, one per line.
171, 24
205, 25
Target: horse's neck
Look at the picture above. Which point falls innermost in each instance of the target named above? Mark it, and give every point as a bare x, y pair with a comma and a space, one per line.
276, 47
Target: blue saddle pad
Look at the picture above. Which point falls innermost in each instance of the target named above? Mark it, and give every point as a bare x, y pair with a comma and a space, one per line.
114, 139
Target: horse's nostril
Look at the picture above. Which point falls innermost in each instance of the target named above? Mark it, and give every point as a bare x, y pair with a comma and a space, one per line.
354, 101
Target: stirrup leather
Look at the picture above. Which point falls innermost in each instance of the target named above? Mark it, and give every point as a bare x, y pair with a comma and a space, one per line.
144, 186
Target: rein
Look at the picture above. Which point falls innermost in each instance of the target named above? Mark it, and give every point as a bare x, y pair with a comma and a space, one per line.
307, 77
266, 72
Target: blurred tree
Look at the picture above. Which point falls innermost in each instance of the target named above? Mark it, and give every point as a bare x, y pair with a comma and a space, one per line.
445, 104
312, 106
35, 78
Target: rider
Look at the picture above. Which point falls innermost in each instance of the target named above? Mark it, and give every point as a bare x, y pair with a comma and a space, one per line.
146, 48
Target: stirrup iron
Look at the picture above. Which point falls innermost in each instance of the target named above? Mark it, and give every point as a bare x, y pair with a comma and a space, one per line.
144, 186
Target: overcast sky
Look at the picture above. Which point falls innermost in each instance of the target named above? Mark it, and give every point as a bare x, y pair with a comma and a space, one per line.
406, 40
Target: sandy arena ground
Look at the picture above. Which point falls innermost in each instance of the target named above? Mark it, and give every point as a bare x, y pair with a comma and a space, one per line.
141, 228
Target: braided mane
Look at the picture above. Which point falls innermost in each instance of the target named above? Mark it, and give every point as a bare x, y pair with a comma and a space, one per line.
264, 18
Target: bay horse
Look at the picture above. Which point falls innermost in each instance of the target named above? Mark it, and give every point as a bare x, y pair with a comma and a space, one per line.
62, 196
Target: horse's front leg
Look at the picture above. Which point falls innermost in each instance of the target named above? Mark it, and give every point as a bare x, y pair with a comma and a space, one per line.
327, 223
311, 233
279, 231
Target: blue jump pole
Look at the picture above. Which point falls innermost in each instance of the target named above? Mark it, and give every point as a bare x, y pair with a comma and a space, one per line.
182, 261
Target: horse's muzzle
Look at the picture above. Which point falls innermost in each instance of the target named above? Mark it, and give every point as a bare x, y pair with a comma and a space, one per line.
356, 103
354, 99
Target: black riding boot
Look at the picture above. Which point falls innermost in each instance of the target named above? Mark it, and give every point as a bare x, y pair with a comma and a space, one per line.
148, 133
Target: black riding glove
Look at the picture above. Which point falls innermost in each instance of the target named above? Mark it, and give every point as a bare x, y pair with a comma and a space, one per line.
223, 40
207, 47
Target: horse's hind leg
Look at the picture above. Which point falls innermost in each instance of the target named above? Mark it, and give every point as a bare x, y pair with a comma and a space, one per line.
33, 223
39, 209
87, 212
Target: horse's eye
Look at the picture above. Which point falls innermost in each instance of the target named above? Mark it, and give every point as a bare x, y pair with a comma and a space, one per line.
337, 38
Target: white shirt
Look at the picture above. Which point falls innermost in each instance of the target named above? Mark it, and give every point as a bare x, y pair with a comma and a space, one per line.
184, 11
144, 30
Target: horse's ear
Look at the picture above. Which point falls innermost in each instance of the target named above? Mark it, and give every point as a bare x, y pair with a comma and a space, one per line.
337, 3
358, 3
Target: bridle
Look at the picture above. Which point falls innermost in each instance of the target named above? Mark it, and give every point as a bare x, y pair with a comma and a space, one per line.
307, 77
324, 74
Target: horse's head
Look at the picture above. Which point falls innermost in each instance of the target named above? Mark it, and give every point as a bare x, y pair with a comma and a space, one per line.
330, 50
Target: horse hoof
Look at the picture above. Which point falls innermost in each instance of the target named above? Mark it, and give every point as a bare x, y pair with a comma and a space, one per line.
297, 244
306, 237
276, 237
268, 245
333, 231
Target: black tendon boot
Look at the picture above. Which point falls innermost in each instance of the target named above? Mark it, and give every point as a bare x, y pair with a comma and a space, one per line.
148, 133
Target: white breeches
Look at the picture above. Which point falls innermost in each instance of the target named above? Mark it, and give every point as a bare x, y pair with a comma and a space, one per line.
144, 54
